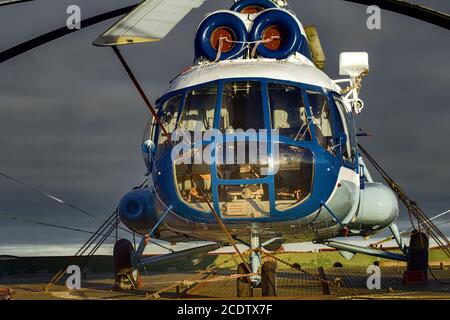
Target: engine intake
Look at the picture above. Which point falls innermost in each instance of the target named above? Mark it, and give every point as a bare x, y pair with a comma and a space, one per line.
281, 32
225, 25
137, 210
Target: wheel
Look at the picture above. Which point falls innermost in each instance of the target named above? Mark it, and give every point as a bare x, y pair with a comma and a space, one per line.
243, 285
297, 266
269, 279
126, 273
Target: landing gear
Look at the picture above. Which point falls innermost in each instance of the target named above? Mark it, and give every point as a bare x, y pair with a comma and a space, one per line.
269, 279
126, 273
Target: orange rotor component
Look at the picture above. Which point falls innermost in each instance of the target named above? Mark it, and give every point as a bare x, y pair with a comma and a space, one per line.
275, 33
252, 9
226, 33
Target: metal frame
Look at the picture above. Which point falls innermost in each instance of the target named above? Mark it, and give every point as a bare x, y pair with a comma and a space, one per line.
178, 255
312, 145
363, 250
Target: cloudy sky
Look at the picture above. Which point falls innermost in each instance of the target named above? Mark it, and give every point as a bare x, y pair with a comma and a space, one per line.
71, 122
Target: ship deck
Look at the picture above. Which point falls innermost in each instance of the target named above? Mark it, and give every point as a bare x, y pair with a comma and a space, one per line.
343, 283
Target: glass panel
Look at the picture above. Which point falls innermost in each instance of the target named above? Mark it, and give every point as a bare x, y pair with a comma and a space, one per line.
288, 112
243, 160
346, 124
149, 130
241, 106
293, 181
169, 116
198, 110
322, 119
189, 191
244, 201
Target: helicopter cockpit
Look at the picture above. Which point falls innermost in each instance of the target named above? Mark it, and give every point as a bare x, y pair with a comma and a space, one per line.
305, 124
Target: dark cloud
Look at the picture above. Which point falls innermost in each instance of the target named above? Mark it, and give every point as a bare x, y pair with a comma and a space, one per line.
71, 122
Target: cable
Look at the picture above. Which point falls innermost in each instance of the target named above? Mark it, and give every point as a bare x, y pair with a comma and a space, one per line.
413, 208
44, 224
63, 202
435, 278
48, 195
169, 139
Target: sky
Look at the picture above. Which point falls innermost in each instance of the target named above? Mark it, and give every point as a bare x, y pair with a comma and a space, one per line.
71, 122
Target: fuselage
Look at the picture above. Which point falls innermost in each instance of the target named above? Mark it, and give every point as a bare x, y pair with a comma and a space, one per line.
316, 187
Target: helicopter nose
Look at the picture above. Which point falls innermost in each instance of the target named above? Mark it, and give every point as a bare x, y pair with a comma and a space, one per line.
137, 209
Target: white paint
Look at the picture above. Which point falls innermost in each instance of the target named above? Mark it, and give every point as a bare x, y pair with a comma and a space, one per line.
296, 70
152, 19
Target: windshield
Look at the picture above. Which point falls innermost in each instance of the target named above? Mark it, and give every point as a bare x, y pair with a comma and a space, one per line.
241, 181
242, 106
198, 109
294, 112
288, 112
322, 118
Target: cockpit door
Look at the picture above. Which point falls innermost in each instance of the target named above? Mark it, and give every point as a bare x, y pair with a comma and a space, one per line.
346, 128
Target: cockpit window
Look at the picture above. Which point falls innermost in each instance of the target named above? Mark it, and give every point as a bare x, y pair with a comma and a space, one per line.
198, 109
288, 112
293, 181
241, 106
169, 116
322, 119
345, 123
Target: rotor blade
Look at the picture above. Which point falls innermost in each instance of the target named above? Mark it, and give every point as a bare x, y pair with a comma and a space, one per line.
59, 33
8, 2
408, 231
412, 10
431, 219
150, 21
433, 17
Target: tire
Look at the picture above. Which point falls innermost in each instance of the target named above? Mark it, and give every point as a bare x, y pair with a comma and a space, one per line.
126, 273
283, 24
269, 279
252, 6
243, 285
206, 39
297, 266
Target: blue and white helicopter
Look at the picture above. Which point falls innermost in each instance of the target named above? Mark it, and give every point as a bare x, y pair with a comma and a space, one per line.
268, 151
254, 79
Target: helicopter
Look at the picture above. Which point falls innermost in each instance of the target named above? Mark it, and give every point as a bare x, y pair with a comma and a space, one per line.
253, 82
252, 144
